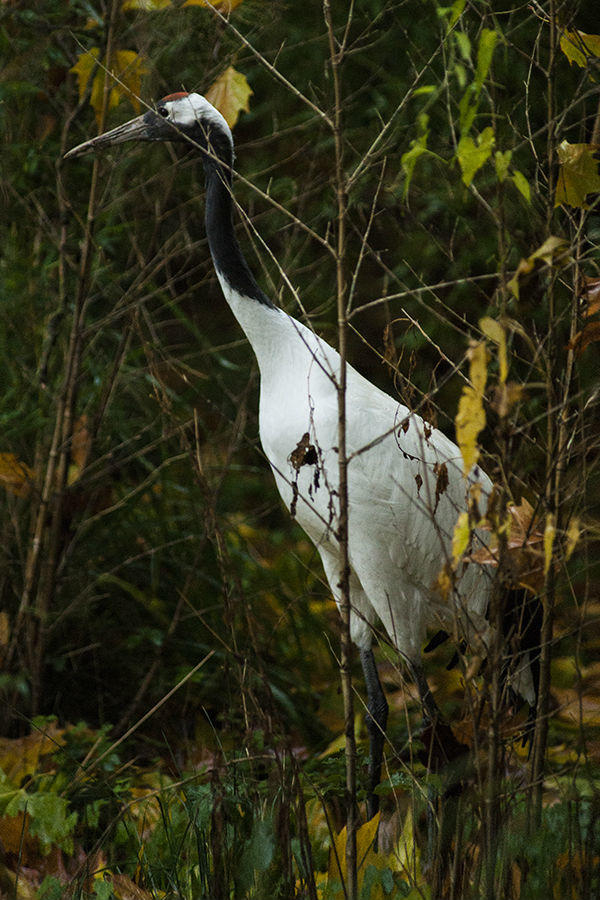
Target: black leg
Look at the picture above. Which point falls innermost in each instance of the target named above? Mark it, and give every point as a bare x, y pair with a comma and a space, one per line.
376, 720
431, 712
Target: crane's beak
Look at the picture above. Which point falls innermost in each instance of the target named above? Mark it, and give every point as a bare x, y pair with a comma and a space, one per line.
136, 130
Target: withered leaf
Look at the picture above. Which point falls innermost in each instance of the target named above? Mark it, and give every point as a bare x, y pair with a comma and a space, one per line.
440, 470
588, 335
15, 475
578, 174
304, 453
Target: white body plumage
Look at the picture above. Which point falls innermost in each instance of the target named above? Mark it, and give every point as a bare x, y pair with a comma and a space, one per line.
401, 515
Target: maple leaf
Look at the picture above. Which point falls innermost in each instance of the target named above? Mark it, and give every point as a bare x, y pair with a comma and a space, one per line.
230, 94
578, 175
126, 68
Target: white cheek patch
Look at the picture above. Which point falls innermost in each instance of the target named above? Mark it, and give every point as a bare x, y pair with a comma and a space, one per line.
186, 111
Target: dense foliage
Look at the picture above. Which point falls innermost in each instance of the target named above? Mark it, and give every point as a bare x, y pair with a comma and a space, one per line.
151, 584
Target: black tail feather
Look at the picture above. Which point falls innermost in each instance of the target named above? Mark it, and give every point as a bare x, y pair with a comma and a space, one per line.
522, 632
438, 638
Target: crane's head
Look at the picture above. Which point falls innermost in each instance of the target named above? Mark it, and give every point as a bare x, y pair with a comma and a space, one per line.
178, 117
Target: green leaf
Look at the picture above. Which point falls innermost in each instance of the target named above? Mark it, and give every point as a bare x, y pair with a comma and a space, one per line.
460, 74
456, 12
485, 52
257, 854
502, 162
472, 155
464, 44
103, 890
418, 147
50, 819
467, 109
521, 184
409, 159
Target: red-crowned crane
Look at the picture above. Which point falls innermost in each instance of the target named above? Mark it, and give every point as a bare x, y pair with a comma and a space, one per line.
402, 512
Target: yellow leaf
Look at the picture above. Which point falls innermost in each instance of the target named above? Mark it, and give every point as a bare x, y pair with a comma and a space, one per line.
478, 357
4, 628
549, 534
470, 419
26, 756
15, 475
578, 46
81, 444
224, 6
444, 582
506, 396
578, 175
403, 859
230, 93
365, 836
144, 5
553, 252
125, 72
460, 538
495, 332
573, 535
339, 743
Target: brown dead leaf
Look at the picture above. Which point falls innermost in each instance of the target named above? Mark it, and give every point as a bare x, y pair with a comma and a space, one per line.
578, 174
440, 470
525, 544
15, 475
126, 889
24, 756
17, 839
589, 292
81, 442
303, 454
589, 334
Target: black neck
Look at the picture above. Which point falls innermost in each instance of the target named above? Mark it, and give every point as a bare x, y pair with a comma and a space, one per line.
224, 248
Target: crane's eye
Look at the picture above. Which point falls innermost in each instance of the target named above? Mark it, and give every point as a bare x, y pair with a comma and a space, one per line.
163, 111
